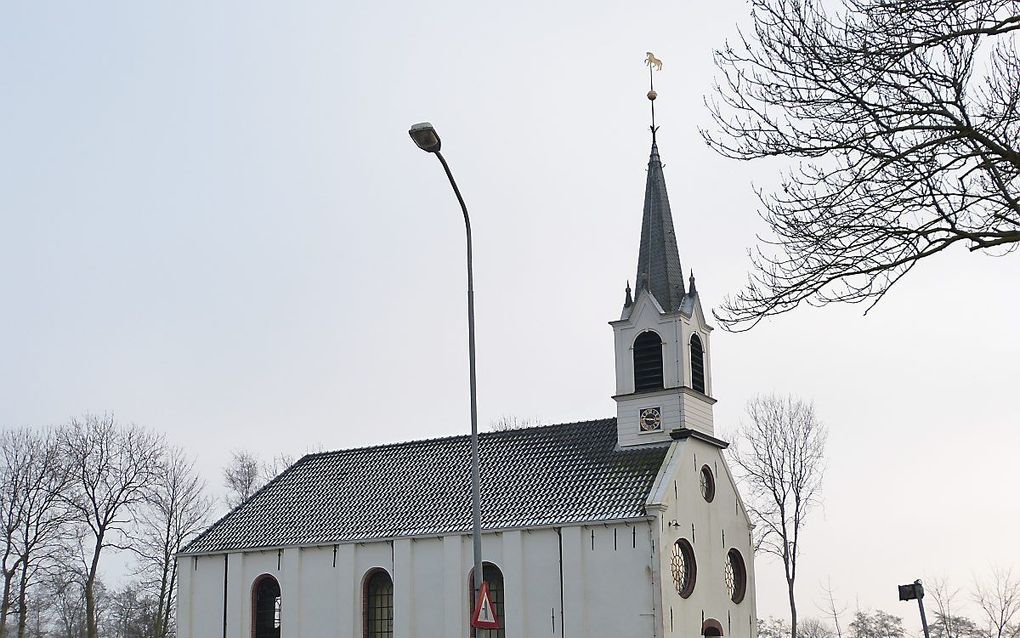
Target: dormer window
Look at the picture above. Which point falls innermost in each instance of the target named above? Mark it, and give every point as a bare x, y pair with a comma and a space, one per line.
647, 362
697, 364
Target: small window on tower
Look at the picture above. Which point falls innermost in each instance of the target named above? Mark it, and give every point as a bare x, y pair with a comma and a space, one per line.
697, 364
647, 362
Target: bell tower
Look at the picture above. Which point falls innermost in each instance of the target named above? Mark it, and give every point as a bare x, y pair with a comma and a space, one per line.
662, 340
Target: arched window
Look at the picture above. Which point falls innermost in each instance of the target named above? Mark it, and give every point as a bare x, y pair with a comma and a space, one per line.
492, 575
711, 627
647, 362
377, 610
697, 364
266, 607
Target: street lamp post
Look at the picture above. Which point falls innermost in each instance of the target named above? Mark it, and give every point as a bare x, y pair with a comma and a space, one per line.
425, 136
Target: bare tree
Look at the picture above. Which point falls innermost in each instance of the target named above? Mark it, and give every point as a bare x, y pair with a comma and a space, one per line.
780, 459
242, 477
176, 509
832, 610
12, 464
45, 516
513, 422
877, 624
946, 623
999, 599
112, 466
246, 473
772, 627
32, 477
272, 469
903, 118
815, 628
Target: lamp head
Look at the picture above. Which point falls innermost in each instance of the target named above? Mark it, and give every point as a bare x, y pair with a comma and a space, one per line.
913, 591
425, 136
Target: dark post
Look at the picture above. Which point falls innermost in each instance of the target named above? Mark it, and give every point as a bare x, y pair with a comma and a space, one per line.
915, 590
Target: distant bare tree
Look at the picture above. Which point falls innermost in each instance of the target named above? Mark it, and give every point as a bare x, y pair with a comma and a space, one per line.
246, 473
780, 457
272, 469
113, 466
176, 509
131, 613
512, 422
772, 627
45, 516
946, 623
877, 624
903, 118
243, 476
32, 477
65, 596
999, 599
12, 488
815, 628
832, 609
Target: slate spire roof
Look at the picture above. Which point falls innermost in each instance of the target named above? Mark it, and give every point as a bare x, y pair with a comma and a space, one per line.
531, 477
658, 268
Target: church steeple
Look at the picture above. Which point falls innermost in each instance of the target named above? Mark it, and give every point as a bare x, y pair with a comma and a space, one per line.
658, 268
662, 340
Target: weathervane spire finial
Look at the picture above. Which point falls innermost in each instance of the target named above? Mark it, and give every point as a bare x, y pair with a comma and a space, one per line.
655, 64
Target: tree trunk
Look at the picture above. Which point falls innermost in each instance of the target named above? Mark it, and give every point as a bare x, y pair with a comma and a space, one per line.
5, 605
793, 609
160, 628
23, 599
91, 626
169, 610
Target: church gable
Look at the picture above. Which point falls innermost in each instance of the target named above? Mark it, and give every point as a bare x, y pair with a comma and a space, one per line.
705, 536
549, 475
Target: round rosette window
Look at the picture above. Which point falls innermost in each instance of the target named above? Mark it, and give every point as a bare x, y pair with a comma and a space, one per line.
707, 481
736, 576
684, 568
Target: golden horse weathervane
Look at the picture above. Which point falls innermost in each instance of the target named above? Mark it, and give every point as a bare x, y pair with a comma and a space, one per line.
653, 63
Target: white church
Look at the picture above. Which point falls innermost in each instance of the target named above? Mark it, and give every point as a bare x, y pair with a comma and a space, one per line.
625, 527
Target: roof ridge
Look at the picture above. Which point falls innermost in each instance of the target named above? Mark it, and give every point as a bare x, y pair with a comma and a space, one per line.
410, 442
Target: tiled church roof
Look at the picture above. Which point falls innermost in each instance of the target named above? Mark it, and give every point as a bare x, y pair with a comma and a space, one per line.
546, 475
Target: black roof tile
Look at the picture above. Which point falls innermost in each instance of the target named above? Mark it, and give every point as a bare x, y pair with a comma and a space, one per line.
530, 477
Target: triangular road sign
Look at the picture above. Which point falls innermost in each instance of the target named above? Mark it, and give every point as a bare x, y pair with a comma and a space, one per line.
484, 616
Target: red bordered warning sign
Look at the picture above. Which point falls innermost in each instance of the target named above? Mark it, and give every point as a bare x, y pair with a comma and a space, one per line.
484, 615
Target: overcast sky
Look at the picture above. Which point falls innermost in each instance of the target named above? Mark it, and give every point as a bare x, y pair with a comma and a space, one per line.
213, 223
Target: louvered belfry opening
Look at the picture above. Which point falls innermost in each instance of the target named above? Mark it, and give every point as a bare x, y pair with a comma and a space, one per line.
267, 605
647, 362
697, 364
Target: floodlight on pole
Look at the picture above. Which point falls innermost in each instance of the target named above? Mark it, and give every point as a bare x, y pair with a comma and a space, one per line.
915, 591
426, 138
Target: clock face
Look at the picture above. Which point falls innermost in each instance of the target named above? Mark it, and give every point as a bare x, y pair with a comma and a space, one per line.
650, 420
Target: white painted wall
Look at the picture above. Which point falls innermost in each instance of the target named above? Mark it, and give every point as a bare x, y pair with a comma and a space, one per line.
605, 591
712, 529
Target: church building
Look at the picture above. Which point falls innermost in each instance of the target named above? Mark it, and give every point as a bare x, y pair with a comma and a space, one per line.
625, 527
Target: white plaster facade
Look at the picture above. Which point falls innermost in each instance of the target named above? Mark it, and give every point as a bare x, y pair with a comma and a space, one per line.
604, 580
